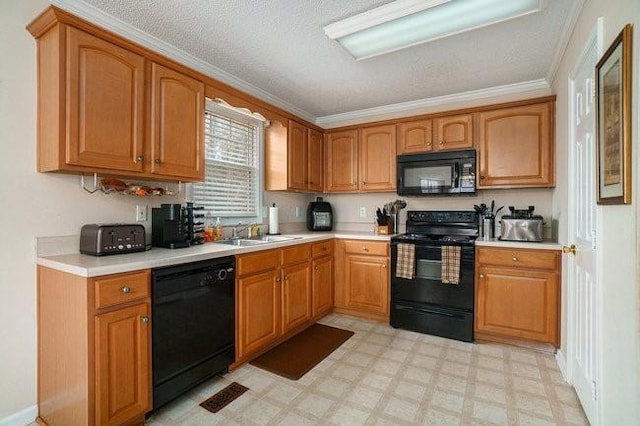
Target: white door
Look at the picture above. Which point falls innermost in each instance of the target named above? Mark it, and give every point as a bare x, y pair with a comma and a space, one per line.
582, 285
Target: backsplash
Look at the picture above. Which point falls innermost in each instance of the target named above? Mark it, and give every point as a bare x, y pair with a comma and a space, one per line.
346, 207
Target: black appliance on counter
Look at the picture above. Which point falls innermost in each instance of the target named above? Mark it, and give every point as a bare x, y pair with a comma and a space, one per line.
193, 325
437, 173
319, 216
100, 239
175, 226
425, 304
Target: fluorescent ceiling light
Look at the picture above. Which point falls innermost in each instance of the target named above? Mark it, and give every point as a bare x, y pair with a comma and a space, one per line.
406, 23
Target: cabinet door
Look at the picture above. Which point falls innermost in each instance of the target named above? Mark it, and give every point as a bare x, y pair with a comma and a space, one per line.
515, 147
341, 150
296, 296
105, 104
367, 284
316, 160
455, 132
177, 124
415, 137
517, 303
122, 368
322, 286
377, 158
297, 168
258, 311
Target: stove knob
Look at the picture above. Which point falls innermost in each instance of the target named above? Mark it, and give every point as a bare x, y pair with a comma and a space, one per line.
222, 275
120, 247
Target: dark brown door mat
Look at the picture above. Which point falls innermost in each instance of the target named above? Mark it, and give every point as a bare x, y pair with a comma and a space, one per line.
294, 357
223, 398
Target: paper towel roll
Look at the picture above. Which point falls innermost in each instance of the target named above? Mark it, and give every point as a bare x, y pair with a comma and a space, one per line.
273, 220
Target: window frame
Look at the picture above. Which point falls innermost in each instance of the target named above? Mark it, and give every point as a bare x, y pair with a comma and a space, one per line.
244, 116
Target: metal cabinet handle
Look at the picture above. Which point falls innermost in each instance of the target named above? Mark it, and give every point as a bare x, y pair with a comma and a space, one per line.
157, 161
277, 279
144, 320
365, 249
384, 266
286, 277
481, 275
515, 259
139, 159
317, 268
441, 142
125, 290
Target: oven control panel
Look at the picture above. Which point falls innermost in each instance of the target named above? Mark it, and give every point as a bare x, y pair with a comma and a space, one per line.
442, 216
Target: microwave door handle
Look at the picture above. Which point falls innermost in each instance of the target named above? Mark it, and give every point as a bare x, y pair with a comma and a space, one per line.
456, 174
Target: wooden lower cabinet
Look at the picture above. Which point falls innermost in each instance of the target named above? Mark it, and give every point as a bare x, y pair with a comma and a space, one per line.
94, 348
362, 279
258, 321
296, 296
279, 293
517, 295
122, 364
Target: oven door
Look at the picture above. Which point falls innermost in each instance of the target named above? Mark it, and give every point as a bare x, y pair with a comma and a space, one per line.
427, 286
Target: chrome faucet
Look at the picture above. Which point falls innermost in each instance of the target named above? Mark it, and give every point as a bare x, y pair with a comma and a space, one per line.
239, 228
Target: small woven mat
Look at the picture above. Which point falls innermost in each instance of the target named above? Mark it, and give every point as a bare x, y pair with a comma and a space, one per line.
223, 398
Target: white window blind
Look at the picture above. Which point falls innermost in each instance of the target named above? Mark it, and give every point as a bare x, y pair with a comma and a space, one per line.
232, 164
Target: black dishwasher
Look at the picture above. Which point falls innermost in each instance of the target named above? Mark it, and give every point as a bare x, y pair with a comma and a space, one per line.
193, 325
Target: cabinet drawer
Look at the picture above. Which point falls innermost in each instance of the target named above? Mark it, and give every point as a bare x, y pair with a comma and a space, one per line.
112, 290
366, 247
299, 253
522, 258
257, 262
323, 248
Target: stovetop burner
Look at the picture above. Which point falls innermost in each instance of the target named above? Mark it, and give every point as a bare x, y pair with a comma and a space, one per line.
440, 227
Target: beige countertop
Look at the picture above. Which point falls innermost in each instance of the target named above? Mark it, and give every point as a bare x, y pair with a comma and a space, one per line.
543, 245
92, 266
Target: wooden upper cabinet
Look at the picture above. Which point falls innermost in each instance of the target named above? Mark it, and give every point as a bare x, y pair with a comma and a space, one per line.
105, 104
177, 124
316, 161
415, 137
516, 147
293, 158
341, 149
105, 107
377, 158
297, 155
454, 132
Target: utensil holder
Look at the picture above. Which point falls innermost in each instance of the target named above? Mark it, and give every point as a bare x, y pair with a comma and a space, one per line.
488, 228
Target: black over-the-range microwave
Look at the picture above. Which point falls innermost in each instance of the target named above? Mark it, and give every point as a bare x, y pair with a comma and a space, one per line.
438, 173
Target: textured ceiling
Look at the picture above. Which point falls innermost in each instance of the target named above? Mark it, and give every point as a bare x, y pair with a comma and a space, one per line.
279, 46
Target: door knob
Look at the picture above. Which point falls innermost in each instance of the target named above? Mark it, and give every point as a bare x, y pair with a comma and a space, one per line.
569, 249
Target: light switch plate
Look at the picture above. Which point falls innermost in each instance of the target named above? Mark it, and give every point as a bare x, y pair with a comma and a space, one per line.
363, 212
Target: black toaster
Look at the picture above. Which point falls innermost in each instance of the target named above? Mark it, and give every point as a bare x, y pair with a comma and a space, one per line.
98, 239
319, 216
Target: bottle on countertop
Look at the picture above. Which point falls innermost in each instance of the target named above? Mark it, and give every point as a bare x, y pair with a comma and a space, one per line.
208, 228
217, 230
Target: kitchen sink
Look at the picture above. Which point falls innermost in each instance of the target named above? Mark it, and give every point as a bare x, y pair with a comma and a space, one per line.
256, 241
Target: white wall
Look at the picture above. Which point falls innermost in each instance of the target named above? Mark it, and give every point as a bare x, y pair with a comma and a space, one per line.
37, 204
617, 234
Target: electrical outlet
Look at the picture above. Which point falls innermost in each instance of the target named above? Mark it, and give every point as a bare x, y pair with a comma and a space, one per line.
141, 213
363, 212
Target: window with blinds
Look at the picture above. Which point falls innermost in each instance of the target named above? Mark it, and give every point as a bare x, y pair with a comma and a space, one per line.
232, 164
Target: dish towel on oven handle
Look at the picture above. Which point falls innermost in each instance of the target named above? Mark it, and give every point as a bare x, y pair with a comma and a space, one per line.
450, 265
406, 261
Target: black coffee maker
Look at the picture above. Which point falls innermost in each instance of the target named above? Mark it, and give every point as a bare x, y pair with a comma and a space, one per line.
167, 227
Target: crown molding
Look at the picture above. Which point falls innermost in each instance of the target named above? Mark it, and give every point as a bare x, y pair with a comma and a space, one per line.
117, 26
422, 106
565, 37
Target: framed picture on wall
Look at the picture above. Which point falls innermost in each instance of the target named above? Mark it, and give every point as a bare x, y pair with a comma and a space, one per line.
613, 124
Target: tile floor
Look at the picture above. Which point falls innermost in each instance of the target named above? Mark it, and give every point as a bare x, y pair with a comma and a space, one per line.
384, 376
